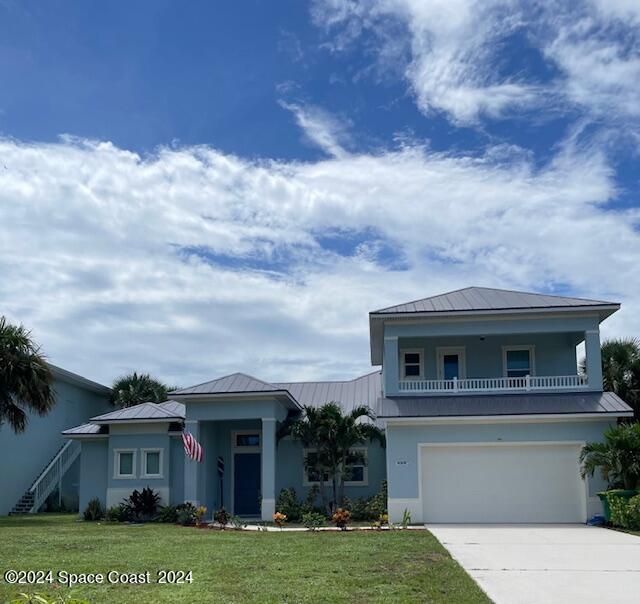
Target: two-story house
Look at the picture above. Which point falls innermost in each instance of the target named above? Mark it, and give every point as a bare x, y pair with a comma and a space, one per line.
484, 409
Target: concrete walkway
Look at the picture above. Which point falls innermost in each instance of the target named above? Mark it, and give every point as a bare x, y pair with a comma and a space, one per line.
535, 564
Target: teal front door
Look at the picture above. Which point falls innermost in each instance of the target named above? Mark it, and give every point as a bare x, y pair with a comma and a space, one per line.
246, 484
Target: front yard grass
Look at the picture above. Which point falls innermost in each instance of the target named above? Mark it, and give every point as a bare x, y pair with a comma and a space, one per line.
232, 566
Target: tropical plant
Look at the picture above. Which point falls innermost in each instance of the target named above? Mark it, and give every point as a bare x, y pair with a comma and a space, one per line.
134, 389
186, 513
142, 505
25, 377
332, 435
118, 513
288, 504
618, 457
94, 510
279, 518
313, 520
38, 598
341, 518
222, 517
406, 518
168, 514
621, 370
200, 512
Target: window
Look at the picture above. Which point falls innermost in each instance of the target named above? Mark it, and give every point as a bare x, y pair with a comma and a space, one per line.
124, 463
411, 363
451, 362
518, 361
356, 468
152, 463
246, 439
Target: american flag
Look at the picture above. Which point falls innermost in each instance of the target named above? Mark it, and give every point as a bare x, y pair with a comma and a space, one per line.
192, 448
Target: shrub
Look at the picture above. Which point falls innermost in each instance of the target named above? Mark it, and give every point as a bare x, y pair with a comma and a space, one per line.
118, 513
309, 503
625, 512
341, 518
168, 513
200, 512
377, 504
237, 522
313, 520
142, 505
358, 507
279, 518
288, 504
94, 510
381, 521
222, 517
186, 513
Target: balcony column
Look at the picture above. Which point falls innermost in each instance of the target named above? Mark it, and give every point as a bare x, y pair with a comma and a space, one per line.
593, 359
390, 368
268, 468
192, 467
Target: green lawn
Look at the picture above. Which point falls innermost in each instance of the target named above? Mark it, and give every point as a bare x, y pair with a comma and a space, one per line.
230, 566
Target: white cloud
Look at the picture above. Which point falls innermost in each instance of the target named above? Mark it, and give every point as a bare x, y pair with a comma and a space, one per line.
457, 52
191, 263
320, 127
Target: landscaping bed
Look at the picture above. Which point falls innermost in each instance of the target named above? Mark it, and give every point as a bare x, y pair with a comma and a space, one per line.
235, 566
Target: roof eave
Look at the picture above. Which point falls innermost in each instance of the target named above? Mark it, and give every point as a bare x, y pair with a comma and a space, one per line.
240, 394
505, 417
78, 380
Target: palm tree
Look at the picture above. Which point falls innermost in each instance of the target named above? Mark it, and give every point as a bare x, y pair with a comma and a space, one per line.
333, 435
621, 370
25, 377
618, 457
133, 389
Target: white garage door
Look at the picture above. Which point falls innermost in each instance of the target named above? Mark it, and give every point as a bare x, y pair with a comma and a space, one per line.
502, 483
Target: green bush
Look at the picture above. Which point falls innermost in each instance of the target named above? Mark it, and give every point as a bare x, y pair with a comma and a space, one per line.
186, 513
94, 510
168, 513
222, 517
377, 505
625, 512
287, 503
309, 503
142, 505
313, 520
118, 513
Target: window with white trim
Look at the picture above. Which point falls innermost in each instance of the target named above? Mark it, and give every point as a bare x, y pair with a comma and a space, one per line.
152, 463
124, 463
518, 361
356, 472
412, 363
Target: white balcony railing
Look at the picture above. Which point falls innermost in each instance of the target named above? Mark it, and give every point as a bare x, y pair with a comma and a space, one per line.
502, 384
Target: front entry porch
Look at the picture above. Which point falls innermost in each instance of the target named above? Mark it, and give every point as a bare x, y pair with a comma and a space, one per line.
238, 469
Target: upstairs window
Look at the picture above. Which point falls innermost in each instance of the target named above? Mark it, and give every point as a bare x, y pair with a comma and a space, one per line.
411, 363
518, 361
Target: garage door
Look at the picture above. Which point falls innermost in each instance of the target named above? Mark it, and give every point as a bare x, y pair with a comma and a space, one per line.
502, 483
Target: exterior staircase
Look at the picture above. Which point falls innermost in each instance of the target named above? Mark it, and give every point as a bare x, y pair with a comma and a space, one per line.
48, 480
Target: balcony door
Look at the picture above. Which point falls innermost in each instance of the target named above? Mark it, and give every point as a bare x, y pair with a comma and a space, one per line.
451, 363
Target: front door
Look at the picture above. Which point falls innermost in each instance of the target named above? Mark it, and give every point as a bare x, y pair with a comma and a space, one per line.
246, 484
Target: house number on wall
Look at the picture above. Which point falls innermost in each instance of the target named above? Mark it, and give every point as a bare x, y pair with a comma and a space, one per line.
401, 462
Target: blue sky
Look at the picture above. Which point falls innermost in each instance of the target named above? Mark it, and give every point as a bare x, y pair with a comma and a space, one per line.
293, 165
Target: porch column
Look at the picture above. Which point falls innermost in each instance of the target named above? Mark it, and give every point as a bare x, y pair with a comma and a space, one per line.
268, 468
390, 370
191, 469
594, 358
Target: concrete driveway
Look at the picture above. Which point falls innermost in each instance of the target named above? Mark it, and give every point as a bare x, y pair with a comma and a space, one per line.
522, 564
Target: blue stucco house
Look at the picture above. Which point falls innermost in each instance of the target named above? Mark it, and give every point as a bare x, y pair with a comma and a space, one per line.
479, 394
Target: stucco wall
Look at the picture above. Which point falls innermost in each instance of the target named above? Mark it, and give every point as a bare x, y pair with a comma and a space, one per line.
403, 441
93, 471
30, 451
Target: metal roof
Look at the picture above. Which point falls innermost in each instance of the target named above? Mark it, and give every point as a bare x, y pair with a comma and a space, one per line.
488, 298
606, 403
363, 390
86, 430
167, 411
234, 383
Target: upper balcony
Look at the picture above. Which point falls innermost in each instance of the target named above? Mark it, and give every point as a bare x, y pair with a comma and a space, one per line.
479, 340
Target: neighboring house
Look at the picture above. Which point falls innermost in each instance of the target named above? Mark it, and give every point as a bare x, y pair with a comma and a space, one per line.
27, 455
483, 407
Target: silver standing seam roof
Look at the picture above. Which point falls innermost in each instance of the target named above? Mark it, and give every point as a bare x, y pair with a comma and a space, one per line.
234, 383
605, 403
489, 298
167, 411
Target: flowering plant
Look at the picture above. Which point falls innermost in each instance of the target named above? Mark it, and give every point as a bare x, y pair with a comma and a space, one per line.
279, 519
341, 518
199, 513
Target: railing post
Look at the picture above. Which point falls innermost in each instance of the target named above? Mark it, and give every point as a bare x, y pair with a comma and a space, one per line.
455, 383
527, 382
